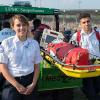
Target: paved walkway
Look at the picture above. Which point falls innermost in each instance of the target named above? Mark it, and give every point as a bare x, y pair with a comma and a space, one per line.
78, 94
63, 95
66, 94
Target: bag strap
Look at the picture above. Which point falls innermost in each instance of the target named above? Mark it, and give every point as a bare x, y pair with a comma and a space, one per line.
79, 36
63, 60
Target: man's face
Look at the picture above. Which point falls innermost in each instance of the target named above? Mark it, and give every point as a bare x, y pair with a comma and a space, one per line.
85, 24
20, 28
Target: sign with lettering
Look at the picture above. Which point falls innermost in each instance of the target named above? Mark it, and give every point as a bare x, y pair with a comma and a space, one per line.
34, 10
52, 78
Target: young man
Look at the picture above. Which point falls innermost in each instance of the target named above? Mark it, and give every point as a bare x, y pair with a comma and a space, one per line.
19, 62
87, 39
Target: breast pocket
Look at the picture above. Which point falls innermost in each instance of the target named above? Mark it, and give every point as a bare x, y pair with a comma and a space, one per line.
14, 58
30, 55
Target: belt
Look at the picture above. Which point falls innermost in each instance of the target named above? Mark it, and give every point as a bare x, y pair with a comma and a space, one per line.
19, 79
26, 76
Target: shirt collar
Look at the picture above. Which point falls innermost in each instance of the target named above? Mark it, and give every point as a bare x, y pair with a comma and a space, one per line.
16, 39
25, 43
82, 32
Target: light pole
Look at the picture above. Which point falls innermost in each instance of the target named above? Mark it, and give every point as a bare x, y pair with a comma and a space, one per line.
35, 3
40, 3
79, 3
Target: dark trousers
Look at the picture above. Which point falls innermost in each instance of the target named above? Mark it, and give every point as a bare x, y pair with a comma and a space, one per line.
91, 88
10, 92
2, 80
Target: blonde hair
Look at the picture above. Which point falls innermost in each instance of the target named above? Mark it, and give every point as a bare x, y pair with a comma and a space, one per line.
21, 18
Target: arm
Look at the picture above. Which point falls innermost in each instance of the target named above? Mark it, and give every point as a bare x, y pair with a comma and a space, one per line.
37, 60
4, 70
35, 78
36, 74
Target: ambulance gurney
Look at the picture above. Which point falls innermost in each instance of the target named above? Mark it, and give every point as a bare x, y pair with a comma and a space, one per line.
77, 71
70, 68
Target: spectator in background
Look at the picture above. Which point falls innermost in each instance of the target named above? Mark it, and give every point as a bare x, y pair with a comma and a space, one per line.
38, 29
67, 35
30, 28
6, 31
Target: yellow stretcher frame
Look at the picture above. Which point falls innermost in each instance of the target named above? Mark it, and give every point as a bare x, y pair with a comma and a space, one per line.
75, 71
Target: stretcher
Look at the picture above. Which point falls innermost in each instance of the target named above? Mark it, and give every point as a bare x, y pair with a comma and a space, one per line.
82, 71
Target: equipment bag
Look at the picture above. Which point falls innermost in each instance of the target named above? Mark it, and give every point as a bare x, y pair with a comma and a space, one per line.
64, 50
55, 46
59, 49
77, 56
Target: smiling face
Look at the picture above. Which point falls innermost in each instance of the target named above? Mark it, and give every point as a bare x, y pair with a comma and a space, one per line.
20, 28
20, 25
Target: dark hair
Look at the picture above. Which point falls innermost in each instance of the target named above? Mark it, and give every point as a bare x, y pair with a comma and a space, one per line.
6, 24
21, 18
36, 23
84, 15
95, 28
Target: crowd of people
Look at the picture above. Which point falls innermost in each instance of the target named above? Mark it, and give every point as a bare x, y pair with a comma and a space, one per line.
66, 22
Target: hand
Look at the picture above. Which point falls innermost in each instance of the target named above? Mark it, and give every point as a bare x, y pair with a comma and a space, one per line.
29, 89
20, 88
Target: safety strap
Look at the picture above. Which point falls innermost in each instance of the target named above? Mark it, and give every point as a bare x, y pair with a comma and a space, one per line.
78, 37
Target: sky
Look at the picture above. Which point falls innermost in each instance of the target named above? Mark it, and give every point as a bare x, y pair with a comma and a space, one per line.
60, 4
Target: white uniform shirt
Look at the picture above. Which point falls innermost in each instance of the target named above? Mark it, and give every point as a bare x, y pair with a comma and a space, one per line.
90, 42
20, 56
5, 33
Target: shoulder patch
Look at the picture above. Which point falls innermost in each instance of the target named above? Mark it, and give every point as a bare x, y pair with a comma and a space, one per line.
1, 49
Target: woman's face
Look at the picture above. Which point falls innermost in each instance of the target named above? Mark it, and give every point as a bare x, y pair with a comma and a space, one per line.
20, 28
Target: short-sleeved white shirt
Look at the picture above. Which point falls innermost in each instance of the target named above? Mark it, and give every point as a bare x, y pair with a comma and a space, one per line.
89, 42
20, 56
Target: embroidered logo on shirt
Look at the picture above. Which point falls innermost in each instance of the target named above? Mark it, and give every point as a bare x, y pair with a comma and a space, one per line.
27, 45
